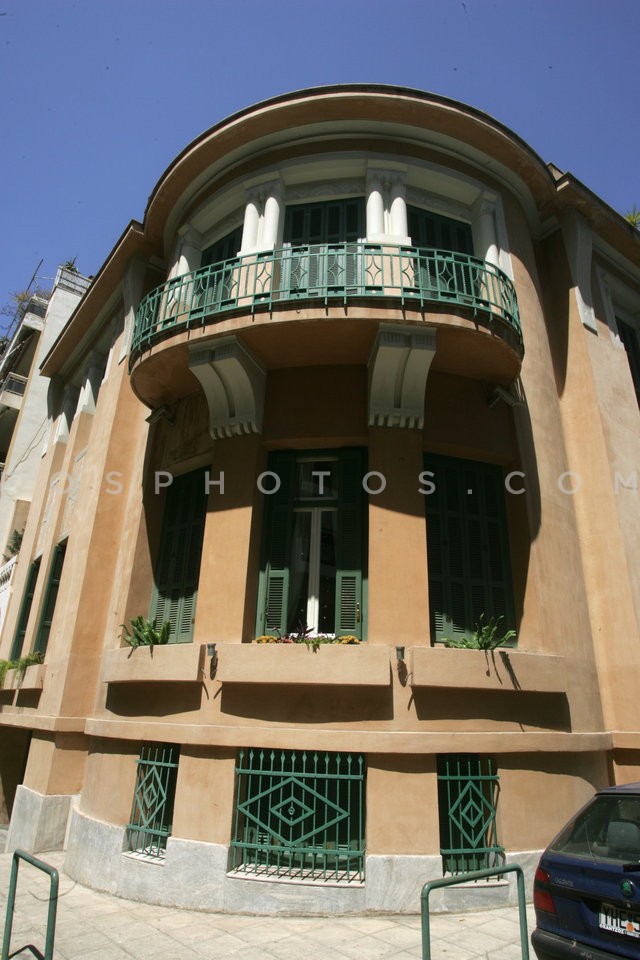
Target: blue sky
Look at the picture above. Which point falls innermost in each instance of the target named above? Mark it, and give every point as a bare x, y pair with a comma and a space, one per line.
99, 96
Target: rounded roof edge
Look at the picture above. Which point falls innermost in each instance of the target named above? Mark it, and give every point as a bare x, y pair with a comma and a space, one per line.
282, 99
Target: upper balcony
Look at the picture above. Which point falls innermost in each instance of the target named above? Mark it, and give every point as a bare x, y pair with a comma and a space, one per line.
458, 291
12, 391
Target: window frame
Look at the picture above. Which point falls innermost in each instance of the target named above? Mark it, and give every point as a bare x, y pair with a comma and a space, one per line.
468, 784
48, 609
153, 774
176, 578
273, 610
483, 559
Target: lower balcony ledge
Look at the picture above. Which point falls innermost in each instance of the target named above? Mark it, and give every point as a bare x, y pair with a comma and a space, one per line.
175, 663
329, 665
499, 669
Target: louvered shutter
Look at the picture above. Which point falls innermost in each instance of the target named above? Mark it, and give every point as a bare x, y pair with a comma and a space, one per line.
50, 599
178, 564
350, 575
273, 593
25, 610
467, 548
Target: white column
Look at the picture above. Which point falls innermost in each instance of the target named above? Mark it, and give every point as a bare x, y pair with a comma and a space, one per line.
398, 221
272, 210
485, 236
190, 246
251, 222
375, 207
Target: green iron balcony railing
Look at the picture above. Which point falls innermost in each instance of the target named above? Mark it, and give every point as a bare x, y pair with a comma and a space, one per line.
328, 273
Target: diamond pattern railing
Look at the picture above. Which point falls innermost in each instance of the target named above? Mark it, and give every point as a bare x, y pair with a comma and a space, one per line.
300, 815
152, 811
329, 272
467, 797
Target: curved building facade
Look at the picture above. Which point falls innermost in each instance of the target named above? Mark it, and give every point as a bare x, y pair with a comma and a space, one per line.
358, 393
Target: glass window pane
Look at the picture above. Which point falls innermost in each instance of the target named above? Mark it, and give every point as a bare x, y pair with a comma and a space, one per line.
328, 535
299, 582
317, 480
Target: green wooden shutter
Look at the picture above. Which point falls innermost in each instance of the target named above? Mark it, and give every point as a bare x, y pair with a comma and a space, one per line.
50, 598
467, 548
25, 610
350, 575
273, 593
178, 565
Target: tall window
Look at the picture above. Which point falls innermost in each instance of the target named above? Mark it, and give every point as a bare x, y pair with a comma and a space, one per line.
300, 815
312, 571
153, 799
325, 258
226, 248
467, 548
428, 229
467, 804
629, 336
50, 598
25, 610
178, 564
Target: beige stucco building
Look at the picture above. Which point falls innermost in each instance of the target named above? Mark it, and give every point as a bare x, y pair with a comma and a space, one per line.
368, 368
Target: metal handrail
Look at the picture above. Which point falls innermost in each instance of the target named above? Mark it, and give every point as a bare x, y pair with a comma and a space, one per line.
326, 272
51, 915
469, 878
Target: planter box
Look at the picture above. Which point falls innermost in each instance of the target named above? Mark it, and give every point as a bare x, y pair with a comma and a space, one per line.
501, 669
31, 679
331, 664
177, 662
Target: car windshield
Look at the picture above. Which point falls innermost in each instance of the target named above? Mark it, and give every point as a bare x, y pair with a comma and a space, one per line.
608, 829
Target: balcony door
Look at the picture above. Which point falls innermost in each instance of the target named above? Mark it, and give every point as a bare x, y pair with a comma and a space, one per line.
321, 253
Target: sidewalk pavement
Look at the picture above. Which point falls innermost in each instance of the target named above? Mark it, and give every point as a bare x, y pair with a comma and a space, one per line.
97, 926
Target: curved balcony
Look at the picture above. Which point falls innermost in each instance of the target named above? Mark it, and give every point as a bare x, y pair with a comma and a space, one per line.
330, 273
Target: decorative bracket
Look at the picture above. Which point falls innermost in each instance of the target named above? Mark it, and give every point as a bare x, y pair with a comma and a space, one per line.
233, 382
398, 370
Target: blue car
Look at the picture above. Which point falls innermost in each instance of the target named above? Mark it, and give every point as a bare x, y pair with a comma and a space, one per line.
586, 890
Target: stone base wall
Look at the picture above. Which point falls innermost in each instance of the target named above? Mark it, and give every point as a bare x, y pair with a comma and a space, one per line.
38, 822
193, 875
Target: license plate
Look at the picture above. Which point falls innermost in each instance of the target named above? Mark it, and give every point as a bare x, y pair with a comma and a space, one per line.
619, 920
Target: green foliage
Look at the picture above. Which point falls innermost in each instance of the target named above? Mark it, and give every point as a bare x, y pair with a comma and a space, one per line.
13, 544
485, 636
5, 665
145, 633
70, 265
19, 665
633, 217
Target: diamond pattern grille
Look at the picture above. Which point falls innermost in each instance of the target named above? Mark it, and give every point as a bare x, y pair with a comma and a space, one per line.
152, 810
467, 800
300, 815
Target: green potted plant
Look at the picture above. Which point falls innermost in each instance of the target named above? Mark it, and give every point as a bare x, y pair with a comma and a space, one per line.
486, 636
142, 632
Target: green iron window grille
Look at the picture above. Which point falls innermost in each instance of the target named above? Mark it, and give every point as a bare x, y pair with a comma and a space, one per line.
468, 790
300, 815
50, 598
25, 610
152, 811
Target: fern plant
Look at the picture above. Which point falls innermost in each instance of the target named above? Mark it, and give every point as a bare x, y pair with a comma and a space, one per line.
486, 636
145, 633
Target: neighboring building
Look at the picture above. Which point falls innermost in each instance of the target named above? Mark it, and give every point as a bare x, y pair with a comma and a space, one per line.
362, 368
24, 406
